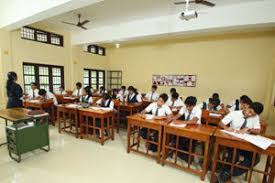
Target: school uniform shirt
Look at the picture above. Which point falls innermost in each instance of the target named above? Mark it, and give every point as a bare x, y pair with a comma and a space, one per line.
152, 96
50, 95
236, 121
122, 94
219, 107
33, 93
164, 110
176, 103
78, 92
233, 105
138, 97
101, 92
196, 112
62, 92
85, 98
111, 105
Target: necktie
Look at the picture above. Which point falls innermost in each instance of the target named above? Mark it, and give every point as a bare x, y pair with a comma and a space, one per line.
188, 117
77, 92
33, 96
244, 123
157, 112
173, 103
152, 96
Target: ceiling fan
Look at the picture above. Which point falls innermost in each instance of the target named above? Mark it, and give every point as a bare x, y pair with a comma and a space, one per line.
203, 2
79, 23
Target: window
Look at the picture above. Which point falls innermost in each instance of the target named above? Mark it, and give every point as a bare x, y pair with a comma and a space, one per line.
95, 50
114, 79
48, 77
94, 78
41, 36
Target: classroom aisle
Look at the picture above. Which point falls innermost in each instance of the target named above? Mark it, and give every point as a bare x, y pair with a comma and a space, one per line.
73, 160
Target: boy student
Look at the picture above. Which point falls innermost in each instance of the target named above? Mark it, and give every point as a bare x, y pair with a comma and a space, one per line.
45, 95
78, 91
213, 105
62, 90
86, 96
153, 95
175, 101
133, 96
242, 103
190, 114
101, 91
242, 121
160, 111
172, 90
33, 93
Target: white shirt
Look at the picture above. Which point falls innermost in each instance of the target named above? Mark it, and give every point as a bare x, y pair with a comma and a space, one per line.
90, 101
122, 94
76, 93
31, 92
98, 92
233, 105
196, 112
137, 95
112, 104
50, 95
236, 120
152, 96
62, 92
164, 110
177, 103
219, 107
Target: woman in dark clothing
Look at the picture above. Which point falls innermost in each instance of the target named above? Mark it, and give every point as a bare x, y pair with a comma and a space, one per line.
14, 91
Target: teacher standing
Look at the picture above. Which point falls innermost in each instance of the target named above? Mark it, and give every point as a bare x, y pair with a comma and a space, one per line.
14, 91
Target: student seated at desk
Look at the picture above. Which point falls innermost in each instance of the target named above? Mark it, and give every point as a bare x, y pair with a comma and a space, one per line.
33, 93
101, 91
172, 90
175, 101
243, 121
114, 93
133, 96
46, 95
242, 103
61, 91
190, 114
212, 105
160, 111
152, 95
78, 91
122, 94
106, 101
86, 95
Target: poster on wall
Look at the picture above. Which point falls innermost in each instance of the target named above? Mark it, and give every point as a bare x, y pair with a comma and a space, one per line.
175, 80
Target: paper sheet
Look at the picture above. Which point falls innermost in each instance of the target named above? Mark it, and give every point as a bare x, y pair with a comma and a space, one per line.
215, 115
34, 101
178, 125
73, 106
101, 108
149, 116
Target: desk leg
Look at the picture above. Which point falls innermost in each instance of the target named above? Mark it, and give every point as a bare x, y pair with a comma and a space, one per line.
113, 127
163, 158
128, 137
272, 176
59, 121
216, 153
102, 130
267, 166
80, 125
118, 120
159, 144
76, 125
205, 160
5, 143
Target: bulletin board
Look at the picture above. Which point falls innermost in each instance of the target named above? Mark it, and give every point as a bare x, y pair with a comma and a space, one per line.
175, 80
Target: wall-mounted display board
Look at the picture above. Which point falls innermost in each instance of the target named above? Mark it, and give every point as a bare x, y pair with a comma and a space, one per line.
175, 80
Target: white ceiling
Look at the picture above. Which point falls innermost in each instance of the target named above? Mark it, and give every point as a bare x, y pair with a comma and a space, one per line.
114, 12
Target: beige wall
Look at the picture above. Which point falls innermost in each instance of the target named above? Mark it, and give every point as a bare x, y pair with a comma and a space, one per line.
229, 64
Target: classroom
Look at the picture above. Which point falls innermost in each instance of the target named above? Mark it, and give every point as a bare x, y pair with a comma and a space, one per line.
137, 91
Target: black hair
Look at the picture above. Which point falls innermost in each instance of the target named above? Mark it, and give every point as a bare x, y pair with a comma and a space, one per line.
173, 90
257, 107
175, 95
34, 84
216, 96
62, 87
190, 101
215, 102
131, 88
123, 87
88, 90
12, 76
78, 84
102, 88
42, 92
164, 97
155, 87
246, 100
106, 96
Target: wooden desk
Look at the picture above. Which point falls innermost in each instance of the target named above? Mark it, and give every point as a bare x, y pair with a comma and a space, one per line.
135, 124
46, 105
211, 120
124, 108
195, 133
69, 99
65, 114
91, 125
225, 140
145, 103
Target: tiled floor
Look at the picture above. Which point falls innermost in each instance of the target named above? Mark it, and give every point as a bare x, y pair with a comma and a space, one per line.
73, 160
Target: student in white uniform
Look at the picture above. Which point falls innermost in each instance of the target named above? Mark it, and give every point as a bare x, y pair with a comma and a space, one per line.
33, 93
122, 94
46, 95
101, 91
152, 95
190, 114
172, 90
175, 101
160, 111
243, 121
62, 91
239, 104
213, 105
78, 91
86, 96
106, 102
133, 96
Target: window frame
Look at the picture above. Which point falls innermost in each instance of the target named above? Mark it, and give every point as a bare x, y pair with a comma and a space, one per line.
110, 77
97, 77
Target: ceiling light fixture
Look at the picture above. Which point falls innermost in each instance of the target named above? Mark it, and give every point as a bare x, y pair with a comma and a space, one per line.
117, 45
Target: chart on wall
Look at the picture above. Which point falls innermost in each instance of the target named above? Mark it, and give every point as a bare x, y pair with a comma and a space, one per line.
175, 80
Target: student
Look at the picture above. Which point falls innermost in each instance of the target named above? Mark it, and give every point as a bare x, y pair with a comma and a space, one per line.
62, 90
160, 111
212, 105
175, 101
86, 96
172, 90
133, 96
190, 114
101, 91
14, 91
46, 95
122, 94
106, 101
242, 103
114, 94
153, 95
242, 121
78, 91
33, 93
